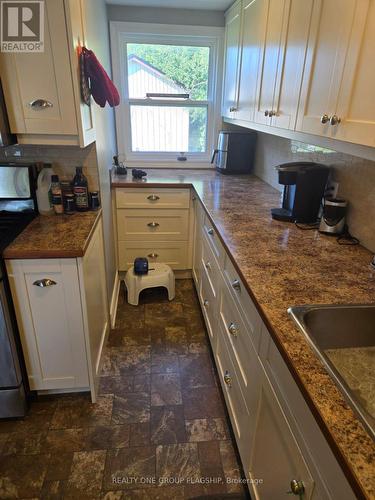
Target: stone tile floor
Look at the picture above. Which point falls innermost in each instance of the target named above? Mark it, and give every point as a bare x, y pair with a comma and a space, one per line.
158, 430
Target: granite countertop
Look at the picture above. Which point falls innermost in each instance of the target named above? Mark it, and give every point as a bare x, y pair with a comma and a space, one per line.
282, 266
54, 236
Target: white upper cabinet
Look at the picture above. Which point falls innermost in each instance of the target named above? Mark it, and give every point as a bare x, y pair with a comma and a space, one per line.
334, 47
254, 18
42, 92
232, 52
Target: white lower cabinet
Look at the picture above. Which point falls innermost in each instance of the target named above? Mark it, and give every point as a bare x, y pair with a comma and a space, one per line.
277, 436
62, 314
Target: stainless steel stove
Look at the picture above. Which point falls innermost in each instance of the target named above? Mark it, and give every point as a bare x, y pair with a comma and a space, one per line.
17, 209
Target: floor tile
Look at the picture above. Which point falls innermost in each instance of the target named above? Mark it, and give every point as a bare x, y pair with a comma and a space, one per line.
22, 476
170, 314
24, 443
196, 371
80, 412
230, 466
203, 402
59, 466
85, 480
140, 434
52, 490
142, 383
177, 461
165, 389
167, 425
206, 429
164, 363
115, 385
133, 360
65, 440
105, 437
129, 468
176, 340
211, 466
131, 408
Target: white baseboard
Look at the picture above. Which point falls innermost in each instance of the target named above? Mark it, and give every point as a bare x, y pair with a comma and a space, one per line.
114, 300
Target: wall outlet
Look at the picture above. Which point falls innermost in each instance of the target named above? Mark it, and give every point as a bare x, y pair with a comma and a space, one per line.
331, 189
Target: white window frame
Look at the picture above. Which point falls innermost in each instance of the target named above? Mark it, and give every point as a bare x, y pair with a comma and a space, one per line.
123, 33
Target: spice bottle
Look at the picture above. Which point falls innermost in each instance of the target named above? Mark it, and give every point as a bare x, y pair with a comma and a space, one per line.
80, 190
56, 195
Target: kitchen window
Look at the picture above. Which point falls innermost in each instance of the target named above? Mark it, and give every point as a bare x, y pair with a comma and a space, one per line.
169, 78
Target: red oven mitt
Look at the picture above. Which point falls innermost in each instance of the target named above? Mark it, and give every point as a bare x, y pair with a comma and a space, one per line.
102, 88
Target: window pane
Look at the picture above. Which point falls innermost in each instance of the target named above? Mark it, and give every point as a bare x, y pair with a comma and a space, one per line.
171, 69
168, 128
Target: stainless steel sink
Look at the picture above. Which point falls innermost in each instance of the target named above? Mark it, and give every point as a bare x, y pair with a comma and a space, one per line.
343, 336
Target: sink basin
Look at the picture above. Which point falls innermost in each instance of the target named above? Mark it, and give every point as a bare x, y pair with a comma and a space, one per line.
343, 336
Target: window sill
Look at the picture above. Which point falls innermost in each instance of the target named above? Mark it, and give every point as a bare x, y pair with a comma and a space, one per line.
168, 164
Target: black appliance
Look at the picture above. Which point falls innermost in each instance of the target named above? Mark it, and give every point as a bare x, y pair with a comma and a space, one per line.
304, 184
6, 138
141, 265
17, 210
333, 218
235, 152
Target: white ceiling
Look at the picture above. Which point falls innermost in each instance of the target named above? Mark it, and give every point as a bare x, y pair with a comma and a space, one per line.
177, 4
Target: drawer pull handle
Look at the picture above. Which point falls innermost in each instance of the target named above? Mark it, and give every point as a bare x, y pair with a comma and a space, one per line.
39, 104
153, 224
210, 231
232, 329
227, 378
296, 488
208, 265
153, 197
236, 285
44, 283
153, 255
205, 303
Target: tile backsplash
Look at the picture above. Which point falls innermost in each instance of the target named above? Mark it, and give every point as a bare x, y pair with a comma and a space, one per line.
64, 160
356, 178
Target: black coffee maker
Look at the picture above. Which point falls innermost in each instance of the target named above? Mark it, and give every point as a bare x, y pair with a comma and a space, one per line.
304, 184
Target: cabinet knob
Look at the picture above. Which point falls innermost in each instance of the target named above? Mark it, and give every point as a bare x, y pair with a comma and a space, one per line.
153, 224
266, 113
232, 329
44, 283
334, 120
227, 378
210, 231
296, 488
153, 197
232, 108
272, 113
153, 255
208, 265
236, 285
325, 118
39, 104
205, 303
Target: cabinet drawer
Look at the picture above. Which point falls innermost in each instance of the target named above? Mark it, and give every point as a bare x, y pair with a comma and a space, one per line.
213, 239
241, 416
172, 253
149, 198
210, 267
243, 301
155, 225
209, 308
240, 341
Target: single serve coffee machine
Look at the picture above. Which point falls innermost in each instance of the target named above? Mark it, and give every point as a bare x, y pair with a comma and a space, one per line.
304, 184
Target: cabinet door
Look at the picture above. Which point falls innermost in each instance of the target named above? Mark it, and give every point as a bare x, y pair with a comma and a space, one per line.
254, 17
277, 12
275, 456
28, 77
50, 322
333, 46
290, 68
356, 102
232, 50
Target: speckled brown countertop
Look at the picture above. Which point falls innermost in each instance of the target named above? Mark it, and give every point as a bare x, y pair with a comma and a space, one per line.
54, 236
282, 266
